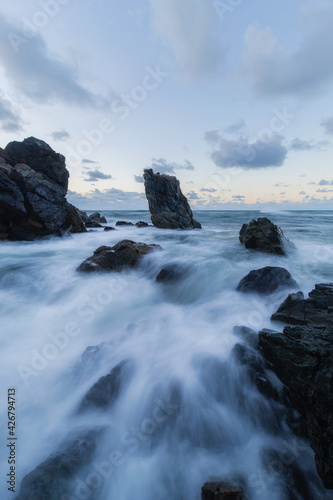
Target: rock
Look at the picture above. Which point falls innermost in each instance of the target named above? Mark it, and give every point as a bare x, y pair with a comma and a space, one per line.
266, 280
32, 195
92, 224
264, 236
221, 491
172, 273
97, 217
51, 479
124, 223
247, 334
168, 206
109, 228
142, 224
301, 357
106, 389
125, 254
83, 215
316, 310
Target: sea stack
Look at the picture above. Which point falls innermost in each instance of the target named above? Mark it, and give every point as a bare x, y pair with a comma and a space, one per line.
168, 206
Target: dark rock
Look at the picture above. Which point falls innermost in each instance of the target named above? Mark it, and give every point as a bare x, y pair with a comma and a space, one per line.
84, 216
172, 273
51, 479
142, 224
316, 310
125, 254
247, 334
301, 357
92, 224
266, 280
32, 196
124, 223
106, 389
109, 228
97, 217
264, 236
221, 491
168, 206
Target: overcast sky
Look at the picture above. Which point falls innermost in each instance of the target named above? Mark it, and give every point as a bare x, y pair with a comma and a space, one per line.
234, 97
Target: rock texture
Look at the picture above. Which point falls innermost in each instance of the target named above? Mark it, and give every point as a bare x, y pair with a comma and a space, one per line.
264, 236
172, 273
33, 186
51, 479
124, 223
301, 357
125, 254
266, 280
221, 491
168, 206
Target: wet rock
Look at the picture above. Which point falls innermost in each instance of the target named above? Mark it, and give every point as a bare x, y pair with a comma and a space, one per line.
142, 224
316, 310
109, 228
168, 206
266, 280
83, 215
124, 223
124, 255
107, 388
248, 335
51, 479
172, 273
264, 236
92, 224
97, 217
301, 357
33, 186
221, 491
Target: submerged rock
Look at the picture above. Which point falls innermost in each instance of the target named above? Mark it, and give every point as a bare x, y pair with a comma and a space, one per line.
141, 224
171, 273
266, 280
125, 254
168, 206
264, 236
109, 228
33, 186
221, 491
97, 217
124, 223
51, 479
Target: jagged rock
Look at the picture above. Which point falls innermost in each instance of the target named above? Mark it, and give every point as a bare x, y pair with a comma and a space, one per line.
172, 273
124, 223
109, 228
32, 195
97, 217
316, 310
142, 224
221, 491
247, 334
301, 357
83, 215
106, 389
266, 280
264, 236
92, 224
168, 206
125, 254
51, 479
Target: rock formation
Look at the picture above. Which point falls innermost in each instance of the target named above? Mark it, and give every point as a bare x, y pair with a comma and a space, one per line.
264, 236
123, 255
168, 206
33, 186
221, 491
266, 280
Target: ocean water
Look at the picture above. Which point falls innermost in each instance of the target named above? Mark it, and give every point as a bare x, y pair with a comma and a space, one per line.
188, 412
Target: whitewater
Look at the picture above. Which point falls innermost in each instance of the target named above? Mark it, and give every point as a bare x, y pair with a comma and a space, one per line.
188, 412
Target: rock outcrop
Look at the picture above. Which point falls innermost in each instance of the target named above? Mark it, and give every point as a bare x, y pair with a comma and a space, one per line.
301, 357
221, 491
172, 273
168, 206
124, 255
33, 187
264, 236
266, 280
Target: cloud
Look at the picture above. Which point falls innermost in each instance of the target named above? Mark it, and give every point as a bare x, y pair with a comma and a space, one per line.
236, 127
96, 175
108, 199
300, 145
325, 182
60, 135
163, 167
273, 71
238, 197
302, 192
86, 161
192, 195
328, 125
35, 72
187, 28
212, 137
208, 190
139, 179
241, 153
324, 190
10, 120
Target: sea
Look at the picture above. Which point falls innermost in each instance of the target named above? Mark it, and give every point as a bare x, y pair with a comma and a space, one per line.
188, 412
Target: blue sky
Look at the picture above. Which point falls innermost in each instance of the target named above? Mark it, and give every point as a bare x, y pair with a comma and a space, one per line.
234, 97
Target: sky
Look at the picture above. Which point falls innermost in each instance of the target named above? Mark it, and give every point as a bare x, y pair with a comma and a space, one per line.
233, 97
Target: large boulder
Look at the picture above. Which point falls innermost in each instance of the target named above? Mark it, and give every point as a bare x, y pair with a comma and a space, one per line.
301, 357
264, 236
266, 280
125, 254
33, 186
168, 206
